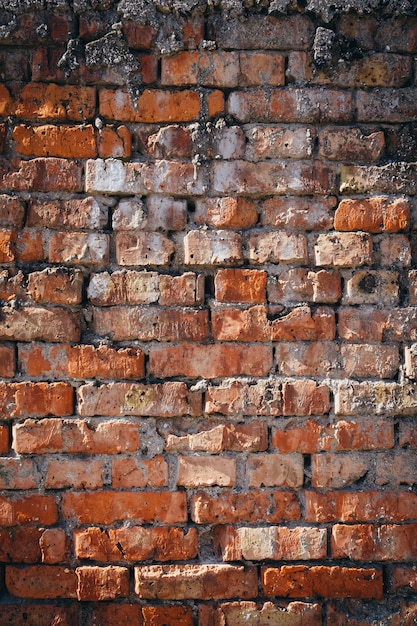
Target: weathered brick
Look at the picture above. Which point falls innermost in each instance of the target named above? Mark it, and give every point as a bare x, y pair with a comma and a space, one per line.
379, 398
124, 287
279, 142
396, 469
128, 473
262, 397
112, 176
403, 578
305, 397
75, 437
256, 506
277, 247
12, 211
375, 215
206, 471
265, 177
212, 248
87, 214
186, 289
241, 325
71, 142
240, 285
106, 507
15, 614
360, 506
372, 287
387, 105
343, 250
74, 474
301, 581
56, 286
151, 323
395, 251
317, 435
79, 248
239, 613
231, 212
114, 613
136, 544
205, 582
41, 581
18, 473
275, 542
29, 399
408, 435
102, 583
350, 144
7, 245
61, 102
42, 174
143, 249
365, 542
114, 142
81, 361
393, 178
338, 470
210, 361
4, 439
302, 324
170, 399
297, 213
301, 284
171, 142
251, 437
153, 105
276, 470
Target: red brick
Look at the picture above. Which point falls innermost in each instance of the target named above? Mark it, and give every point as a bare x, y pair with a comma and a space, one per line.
139, 36
136, 544
303, 324
267, 178
114, 142
210, 361
68, 214
128, 473
396, 469
74, 474
408, 435
102, 583
255, 506
171, 142
305, 397
170, 399
61, 102
343, 250
350, 144
251, 437
275, 470
235, 213
401, 31
29, 246
362, 613
106, 507
56, 286
303, 285
20, 545
238, 285
212, 248
71, 142
297, 213
205, 582
335, 471
4, 439
185, 290
111, 613
7, 361
81, 361
42, 174
375, 215
215, 103
75, 436
41, 581
206, 471
360, 506
39, 614
35, 399
328, 582
275, 142
7, 245
278, 543
241, 325
261, 68
54, 546
151, 323
12, 211
212, 68
403, 579
365, 542
27, 510
152, 106
291, 105
362, 324
317, 435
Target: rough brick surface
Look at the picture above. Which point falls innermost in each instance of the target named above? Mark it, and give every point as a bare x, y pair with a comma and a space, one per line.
208, 313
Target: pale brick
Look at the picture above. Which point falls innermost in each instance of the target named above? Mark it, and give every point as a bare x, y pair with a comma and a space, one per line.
343, 250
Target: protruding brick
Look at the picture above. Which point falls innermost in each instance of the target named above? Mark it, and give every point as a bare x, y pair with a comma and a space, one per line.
374, 215
60, 102
153, 105
263, 397
372, 287
69, 142
251, 437
205, 582
277, 247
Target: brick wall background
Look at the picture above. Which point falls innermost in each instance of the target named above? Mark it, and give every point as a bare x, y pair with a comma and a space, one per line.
208, 317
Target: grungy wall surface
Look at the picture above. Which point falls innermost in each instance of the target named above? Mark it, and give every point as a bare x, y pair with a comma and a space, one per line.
208, 321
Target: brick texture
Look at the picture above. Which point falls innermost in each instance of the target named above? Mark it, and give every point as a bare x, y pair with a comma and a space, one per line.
208, 313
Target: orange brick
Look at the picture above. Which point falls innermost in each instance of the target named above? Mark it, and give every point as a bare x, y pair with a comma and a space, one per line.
29, 246
7, 245
206, 471
114, 142
152, 106
12, 211
73, 142
41, 581
238, 285
75, 214
56, 285
300, 581
375, 215
42, 101
4, 438
35, 399
102, 583
235, 213
74, 474
28, 510
275, 470
127, 473
365, 542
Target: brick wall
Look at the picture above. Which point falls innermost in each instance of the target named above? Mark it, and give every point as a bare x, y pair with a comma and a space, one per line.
208, 323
